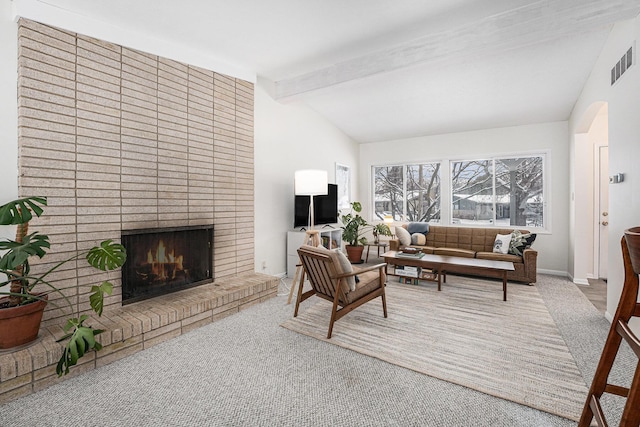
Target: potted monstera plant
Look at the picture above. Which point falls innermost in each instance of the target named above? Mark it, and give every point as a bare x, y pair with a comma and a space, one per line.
26, 294
353, 229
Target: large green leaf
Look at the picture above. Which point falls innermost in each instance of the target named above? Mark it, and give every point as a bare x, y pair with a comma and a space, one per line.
19, 211
107, 256
18, 253
81, 340
96, 299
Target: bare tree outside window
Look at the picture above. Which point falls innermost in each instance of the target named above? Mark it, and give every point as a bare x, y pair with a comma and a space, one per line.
414, 189
423, 192
389, 192
472, 192
507, 191
519, 183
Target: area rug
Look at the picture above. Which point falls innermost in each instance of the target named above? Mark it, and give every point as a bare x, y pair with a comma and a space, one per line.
466, 335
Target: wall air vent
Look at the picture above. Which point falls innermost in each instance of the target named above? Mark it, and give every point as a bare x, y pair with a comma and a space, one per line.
623, 65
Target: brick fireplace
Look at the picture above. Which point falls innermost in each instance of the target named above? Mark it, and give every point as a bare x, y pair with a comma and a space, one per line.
120, 140
165, 260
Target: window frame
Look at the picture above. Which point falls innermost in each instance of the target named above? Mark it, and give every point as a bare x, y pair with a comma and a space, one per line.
446, 187
405, 167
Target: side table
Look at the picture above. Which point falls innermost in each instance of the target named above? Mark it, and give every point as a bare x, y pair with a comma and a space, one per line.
382, 245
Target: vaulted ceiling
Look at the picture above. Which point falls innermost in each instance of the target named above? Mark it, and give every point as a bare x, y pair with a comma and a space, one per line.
383, 70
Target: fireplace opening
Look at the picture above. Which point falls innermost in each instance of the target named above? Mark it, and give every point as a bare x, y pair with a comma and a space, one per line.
165, 260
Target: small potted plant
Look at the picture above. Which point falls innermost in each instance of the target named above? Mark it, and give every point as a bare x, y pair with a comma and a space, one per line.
22, 306
380, 229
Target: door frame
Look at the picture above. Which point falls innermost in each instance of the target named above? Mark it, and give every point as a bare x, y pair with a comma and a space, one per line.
597, 210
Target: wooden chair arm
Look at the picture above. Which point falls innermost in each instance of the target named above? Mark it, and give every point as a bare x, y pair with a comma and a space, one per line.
360, 271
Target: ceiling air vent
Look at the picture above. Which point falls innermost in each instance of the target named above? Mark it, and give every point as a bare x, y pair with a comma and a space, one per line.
623, 65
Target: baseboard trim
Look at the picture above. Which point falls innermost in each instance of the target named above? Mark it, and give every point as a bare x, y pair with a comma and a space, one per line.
554, 272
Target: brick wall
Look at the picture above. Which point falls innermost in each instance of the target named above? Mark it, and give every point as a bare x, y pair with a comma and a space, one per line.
120, 139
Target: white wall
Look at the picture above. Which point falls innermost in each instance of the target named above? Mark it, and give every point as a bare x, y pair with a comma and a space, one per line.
8, 104
548, 137
289, 137
624, 142
8, 108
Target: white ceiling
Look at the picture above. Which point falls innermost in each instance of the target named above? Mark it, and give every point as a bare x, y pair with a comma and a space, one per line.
382, 69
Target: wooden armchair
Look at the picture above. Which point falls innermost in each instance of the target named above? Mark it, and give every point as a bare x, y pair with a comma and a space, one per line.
333, 279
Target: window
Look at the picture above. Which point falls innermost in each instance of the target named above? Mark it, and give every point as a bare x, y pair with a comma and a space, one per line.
503, 191
407, 192
500, 191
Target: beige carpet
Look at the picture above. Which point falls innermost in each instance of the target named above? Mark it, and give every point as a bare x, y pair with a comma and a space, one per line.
466, 335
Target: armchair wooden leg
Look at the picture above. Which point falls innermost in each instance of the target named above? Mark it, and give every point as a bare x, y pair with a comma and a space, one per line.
334, 313
384, 294
299, 299
293, 283
384, 303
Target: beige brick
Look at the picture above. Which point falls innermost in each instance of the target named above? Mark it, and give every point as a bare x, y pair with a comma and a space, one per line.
119, 352
95, 57
27, 28
47, 377
101, 47
159, 335
16, 393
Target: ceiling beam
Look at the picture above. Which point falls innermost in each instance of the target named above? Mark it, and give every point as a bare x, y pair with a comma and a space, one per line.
539, 22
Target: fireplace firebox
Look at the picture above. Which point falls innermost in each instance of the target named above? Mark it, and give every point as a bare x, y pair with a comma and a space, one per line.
165, 260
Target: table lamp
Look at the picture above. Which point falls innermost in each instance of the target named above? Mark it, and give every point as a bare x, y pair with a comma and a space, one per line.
388, 219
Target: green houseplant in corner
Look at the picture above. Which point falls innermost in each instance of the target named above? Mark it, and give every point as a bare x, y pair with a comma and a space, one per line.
21, 295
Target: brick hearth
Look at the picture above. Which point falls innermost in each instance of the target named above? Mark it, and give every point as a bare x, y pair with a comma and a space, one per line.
120, 139
131, 329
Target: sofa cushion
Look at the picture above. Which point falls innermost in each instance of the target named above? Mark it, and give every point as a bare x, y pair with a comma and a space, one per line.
369, 281
418, 239
403, 236
501, 243
465, 253
499, 257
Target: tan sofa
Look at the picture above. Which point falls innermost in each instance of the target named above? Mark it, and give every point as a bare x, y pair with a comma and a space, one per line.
476, 243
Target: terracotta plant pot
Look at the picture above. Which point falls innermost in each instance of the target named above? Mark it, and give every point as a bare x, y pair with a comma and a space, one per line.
632, 236
354, 253
20, 325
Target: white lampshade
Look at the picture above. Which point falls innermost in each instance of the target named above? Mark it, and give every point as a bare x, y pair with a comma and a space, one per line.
388, 219
310, 182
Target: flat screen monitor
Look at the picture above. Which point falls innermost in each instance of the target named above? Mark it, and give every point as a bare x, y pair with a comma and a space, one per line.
325, 208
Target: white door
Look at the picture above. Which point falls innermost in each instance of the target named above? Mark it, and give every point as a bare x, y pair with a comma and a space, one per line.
603, 209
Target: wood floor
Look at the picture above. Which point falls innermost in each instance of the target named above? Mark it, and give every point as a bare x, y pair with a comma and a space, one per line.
596, 292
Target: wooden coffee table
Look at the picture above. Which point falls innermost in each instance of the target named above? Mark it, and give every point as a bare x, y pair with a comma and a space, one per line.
440, 265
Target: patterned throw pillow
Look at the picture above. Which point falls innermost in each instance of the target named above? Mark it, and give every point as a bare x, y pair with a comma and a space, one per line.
501, 244
520, 242
403, 236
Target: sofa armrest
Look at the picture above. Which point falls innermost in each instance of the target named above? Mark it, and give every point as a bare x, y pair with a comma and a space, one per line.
394, 244
530, 260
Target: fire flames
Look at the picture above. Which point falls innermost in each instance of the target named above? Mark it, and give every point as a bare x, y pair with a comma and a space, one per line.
164, 265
